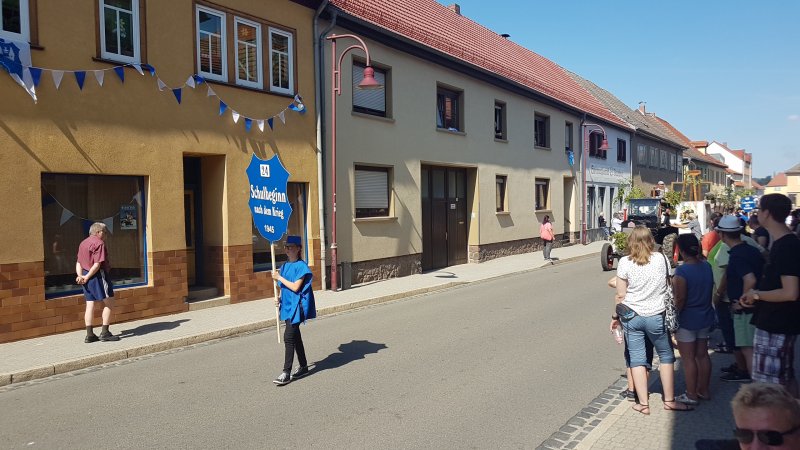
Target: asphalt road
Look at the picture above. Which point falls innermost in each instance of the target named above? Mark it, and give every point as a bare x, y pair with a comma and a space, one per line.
499, 364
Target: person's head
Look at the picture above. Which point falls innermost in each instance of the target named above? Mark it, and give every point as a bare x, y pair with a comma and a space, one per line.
293, 246
730, 229
775, 208
688, 245
752, 222
546, 219
714, 219
640, 245
661, 185
766, 416
98, 229
691, 216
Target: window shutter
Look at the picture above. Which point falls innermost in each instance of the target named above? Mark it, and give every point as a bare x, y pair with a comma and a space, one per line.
372, 189
374, 99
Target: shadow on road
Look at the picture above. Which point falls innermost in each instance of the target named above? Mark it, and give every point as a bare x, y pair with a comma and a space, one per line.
352, 351
151, 328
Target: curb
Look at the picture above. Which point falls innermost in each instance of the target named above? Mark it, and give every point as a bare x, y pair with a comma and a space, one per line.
183, 341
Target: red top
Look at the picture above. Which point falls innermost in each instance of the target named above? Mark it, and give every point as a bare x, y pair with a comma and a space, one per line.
93, 250
709, 241
546, 231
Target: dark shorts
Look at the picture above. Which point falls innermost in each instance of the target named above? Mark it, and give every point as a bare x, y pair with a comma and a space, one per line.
97, 288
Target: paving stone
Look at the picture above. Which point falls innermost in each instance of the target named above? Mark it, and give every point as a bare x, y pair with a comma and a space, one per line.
591, 410
567, 429
571, 444
576, 421
560, 436
552, 443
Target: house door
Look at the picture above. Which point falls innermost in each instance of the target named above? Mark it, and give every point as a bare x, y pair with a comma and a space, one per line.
193, 220
568, 184
444, 216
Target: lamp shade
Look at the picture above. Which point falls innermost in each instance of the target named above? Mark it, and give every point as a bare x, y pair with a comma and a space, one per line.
369, 81
604, 144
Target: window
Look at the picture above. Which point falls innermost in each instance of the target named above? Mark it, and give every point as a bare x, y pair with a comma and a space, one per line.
673, 163
568, 136
641, 154
281, 61
448, 109
500, 193
70, 204
369, 101
248, 53
595, 142
542, 194
664, 159
500, 120
262, 256
119, 30
622, 150
372, 191
211, 44
653, 156
541, 131
14, 20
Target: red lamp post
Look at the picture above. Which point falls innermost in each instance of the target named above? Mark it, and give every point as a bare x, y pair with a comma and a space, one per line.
368, 82
588, 129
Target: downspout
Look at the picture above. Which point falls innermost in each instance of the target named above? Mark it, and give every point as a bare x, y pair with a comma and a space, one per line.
319, 41
583, 182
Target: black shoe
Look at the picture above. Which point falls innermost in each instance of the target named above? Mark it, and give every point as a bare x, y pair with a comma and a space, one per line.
733, 368
628, 395
91, 338
108, 337
283, 378
739, 377
300, 372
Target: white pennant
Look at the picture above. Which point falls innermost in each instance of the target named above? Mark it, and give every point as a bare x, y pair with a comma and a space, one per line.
282, 116
57, 76
161, 85
190, 82
138, 198
260, 125
109, 221
138, 68
65, 216
99, 75
235, 116
210, 92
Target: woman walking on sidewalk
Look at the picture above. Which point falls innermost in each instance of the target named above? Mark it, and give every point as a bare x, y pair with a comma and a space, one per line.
641, 293
546, 233
296, 303
692, 285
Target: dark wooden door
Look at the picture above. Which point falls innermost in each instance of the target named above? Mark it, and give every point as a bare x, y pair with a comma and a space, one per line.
444, 217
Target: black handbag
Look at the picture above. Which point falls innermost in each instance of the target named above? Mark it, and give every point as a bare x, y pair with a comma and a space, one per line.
625, 312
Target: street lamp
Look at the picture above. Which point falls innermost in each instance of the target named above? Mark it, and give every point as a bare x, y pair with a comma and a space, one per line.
368, 82
588, 129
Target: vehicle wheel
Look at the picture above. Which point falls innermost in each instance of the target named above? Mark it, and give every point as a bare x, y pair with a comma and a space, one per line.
669, 249
607, 257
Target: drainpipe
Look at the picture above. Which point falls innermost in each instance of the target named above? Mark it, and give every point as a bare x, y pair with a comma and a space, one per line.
583, 182
319, 41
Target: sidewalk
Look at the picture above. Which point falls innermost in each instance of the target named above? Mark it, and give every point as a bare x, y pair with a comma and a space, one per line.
51, 355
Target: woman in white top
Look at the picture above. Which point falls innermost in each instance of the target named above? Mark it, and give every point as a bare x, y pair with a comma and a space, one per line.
642, 287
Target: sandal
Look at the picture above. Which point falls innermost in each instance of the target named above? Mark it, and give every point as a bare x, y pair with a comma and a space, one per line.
676, 408
686, 400
641, 409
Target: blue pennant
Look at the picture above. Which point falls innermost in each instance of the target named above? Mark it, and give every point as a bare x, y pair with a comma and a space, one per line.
120, 72
222, 107
247, 124
198, 79
177, 92
80, 76
150, 69
36, 74
269, 122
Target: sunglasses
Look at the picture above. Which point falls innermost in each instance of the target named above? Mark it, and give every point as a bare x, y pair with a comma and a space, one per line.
767, 437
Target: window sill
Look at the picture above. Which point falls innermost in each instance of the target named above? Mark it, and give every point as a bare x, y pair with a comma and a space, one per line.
238, 86
372, 116
114, 63
445, 130
375, 219
502, 213
541, 148
503, 141
543, 211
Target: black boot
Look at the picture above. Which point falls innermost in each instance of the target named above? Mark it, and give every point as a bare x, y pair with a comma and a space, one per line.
90, 336
106, 335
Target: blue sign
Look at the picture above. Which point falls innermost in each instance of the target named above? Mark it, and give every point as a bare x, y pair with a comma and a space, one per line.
749, 203
268, 203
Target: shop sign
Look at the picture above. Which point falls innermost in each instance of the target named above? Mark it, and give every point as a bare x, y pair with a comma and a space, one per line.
268, 203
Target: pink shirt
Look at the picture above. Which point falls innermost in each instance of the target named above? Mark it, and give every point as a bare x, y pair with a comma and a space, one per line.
546, 231
93, 250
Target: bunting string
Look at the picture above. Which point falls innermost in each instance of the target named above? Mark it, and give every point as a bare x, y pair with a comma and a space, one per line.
66, 214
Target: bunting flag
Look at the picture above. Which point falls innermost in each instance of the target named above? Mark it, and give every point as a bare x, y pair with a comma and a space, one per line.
235, 116
65, 216
198, 79
137, 198
211, 92
150, 69
260, 125
247, 124
222, 106
138, 68
269, 122
36, 74
109, 221
99, 75
177, 93
161, 85
190, 82
15, 57
282, 116
80, 76
57, 76
120, 73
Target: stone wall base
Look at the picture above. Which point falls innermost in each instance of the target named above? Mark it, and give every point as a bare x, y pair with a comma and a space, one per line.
486, 252
385, 268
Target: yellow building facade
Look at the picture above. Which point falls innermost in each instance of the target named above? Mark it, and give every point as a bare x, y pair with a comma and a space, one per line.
146, 118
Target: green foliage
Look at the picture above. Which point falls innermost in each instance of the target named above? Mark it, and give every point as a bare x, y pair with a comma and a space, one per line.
626, 191
620, 241
673, 199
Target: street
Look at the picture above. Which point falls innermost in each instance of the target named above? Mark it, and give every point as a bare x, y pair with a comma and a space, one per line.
498, 364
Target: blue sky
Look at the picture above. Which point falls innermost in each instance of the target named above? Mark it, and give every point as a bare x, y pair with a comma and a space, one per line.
726, 71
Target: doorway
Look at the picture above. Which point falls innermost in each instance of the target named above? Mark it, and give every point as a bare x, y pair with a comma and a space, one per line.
193, 220
569, 183
444, 216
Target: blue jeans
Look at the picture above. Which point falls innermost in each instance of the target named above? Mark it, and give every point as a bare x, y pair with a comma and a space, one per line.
653, 327
726, 324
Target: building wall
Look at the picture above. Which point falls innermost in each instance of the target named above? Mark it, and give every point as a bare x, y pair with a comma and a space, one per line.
647, 176
608, 174
133, 129
409, 138
734, 163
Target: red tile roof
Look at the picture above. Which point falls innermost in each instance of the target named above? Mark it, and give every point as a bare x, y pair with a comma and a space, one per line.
743, 155
438, 27
778, 180
756, 185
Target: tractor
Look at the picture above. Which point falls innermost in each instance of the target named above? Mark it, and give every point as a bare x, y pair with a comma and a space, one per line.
648, 212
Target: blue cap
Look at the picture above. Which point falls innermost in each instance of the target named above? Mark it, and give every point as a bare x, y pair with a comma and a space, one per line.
293, 240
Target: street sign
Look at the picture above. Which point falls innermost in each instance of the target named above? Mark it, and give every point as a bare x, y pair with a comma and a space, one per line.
748, 203
268, 203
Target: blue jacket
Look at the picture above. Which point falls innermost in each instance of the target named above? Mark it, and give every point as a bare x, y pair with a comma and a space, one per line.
297, 306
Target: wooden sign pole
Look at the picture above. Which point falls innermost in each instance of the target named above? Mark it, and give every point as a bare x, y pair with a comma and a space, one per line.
275, 292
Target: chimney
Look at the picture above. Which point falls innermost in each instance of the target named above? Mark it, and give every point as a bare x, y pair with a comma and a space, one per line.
455, 8
642, 108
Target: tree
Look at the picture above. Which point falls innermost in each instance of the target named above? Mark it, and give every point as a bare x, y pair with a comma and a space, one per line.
626, 190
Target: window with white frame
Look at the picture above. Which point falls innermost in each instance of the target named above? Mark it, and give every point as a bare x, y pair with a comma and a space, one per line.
449, 109
211, 44
281, 61
119, 30
500, 193
248, 53
500, 131
370, 101
15, 20
542, 194
372, 191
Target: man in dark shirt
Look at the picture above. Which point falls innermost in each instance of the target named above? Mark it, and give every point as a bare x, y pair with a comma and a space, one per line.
760, 234
777, 306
